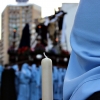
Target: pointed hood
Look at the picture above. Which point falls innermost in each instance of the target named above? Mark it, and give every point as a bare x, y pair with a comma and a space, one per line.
55, 67
15, 67
25, 66
55, 70
34, 67
1, 68
85, 41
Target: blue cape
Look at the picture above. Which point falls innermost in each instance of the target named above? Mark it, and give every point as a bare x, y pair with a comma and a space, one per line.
83, 74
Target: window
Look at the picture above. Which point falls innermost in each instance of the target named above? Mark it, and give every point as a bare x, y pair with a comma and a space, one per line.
23, 25
23, 15
13, 7
28, 20
9, 19
18, 25
33, 31
18, 15
14, 16
30, 7
10, 29
13, 25
12, 21
17, 8
23, 20
23, 11
2, 30
10, 25
33, 25
10, 15
10, 8
18, 21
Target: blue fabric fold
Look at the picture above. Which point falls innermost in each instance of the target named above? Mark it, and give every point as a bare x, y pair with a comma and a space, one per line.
85, 42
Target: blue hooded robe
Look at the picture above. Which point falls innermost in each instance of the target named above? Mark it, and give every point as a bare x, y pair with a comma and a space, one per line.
39, 81
83, 74
63, 74
15, 67
34, 83
55, 82
24, 80
60, 84
1, 70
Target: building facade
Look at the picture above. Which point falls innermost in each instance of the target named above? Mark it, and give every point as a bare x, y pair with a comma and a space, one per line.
71, 9
15, 17
1, 51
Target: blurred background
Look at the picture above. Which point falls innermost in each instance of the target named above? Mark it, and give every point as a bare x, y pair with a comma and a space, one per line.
15, 14
28, 29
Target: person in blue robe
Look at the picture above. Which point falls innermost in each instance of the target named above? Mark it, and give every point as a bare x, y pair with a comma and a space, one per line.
60, 84
30, 69
1, 70
63, 74
65, 71
39, 81
55, 82
83, 73
15, 67
24, 83
34, 83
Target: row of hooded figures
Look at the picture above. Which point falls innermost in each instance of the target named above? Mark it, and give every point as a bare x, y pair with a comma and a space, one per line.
28, 83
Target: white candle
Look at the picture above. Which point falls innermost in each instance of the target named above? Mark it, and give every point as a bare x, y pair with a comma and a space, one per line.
47, 84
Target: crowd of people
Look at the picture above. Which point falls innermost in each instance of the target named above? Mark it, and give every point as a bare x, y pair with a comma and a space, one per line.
25, 83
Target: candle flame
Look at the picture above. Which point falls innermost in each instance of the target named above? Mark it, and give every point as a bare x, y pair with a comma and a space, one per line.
45, 55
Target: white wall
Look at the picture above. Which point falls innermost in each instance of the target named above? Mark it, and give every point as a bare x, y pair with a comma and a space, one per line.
71, 9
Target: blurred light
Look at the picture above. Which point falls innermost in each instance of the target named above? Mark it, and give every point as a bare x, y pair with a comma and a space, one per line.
38, 56
65, 59
39, 26
57, 39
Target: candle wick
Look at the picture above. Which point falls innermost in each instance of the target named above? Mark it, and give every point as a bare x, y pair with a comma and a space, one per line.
45, 55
